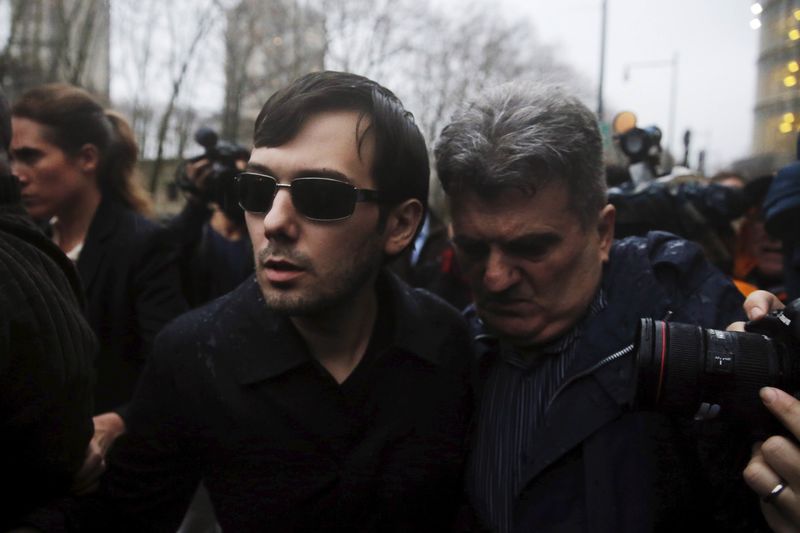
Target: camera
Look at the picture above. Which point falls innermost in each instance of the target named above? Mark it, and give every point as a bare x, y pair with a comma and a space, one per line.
681, 367
640, 143
219, 185
684, 205
642, 147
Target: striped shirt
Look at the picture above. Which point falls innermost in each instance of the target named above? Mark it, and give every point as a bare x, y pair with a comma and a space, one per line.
515, 395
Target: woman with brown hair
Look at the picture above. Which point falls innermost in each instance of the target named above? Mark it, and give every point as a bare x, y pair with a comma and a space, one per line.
77, 166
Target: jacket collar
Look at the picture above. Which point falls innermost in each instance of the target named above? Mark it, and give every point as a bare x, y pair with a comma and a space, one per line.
271, 346
102, 228
594, 396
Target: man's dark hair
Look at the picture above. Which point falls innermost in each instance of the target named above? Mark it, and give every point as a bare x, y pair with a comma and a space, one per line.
400, 169
524, 136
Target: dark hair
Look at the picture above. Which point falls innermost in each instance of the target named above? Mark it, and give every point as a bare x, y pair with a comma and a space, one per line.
73, 118
400, 169
524, 136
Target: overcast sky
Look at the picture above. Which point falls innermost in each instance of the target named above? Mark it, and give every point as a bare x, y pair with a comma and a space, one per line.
716, 74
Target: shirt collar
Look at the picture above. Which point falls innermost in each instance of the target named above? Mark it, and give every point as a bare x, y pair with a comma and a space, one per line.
270, 344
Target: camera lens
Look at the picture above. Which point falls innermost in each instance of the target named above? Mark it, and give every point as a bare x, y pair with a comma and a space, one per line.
681, 366
634, 143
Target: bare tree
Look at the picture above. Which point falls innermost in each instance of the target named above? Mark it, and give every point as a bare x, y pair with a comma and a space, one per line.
136, 64
17, 11
268, 43
474, 49
56, 41
433, 58
181, 58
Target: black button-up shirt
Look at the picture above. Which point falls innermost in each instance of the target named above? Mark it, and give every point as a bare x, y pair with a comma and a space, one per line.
233, 397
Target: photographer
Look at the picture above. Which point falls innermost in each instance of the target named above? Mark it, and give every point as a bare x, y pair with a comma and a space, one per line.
775, 464
683, 204
782, 218
215, 254
758, 262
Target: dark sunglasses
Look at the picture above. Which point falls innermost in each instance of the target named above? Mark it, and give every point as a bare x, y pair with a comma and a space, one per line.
321, 199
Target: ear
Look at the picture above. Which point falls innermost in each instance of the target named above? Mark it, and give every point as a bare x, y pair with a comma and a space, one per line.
401, 226
88, 159
605, 229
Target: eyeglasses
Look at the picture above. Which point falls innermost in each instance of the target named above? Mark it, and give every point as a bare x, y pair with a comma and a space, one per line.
320, 199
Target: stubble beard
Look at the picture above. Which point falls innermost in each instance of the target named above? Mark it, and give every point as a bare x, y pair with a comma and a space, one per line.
328, 294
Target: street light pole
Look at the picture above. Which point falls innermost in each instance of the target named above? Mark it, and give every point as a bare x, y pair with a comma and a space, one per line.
673, 98
673, 92
603, 24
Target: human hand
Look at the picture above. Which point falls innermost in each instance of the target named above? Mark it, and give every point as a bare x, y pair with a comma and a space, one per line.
107, 427
774, 468
198, 171
195, 174
757, 305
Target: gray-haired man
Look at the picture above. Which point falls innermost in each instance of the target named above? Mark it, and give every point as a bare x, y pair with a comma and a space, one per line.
557, 446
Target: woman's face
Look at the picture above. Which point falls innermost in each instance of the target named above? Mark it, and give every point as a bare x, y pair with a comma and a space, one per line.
765, 249
51, 179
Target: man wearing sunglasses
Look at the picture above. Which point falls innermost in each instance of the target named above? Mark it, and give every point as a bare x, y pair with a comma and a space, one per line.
322, 394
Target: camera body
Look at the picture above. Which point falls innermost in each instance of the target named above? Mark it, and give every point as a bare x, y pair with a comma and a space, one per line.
680, 367
219, 184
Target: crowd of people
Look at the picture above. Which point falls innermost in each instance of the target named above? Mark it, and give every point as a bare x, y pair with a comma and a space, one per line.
313, 385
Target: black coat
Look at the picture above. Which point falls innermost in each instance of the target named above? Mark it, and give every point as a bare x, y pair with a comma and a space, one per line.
129, 271
46, 351
233, 396
598, 465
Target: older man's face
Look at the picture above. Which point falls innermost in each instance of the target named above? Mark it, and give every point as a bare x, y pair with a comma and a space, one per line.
532, 267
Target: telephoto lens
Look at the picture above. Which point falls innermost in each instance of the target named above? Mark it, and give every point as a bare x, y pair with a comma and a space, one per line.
681, 367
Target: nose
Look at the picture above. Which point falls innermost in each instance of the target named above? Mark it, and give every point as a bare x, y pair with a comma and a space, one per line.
500, 273
280, 222
18, 170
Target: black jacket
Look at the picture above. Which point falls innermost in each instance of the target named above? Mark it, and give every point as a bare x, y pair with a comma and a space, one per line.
233, 396
210, 265
599, 465
129, 271
46, 353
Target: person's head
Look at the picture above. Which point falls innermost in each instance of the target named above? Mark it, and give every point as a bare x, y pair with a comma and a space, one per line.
65, 145
523, 170
728, 179
316, 247
759, 252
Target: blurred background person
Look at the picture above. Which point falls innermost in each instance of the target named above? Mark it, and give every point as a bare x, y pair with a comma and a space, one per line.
215, 250
431, 263
758, 260
782, 218
46, 352
728, 179
76, 163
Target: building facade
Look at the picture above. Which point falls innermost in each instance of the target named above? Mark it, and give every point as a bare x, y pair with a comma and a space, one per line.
48, 41
777, 111
268, 43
